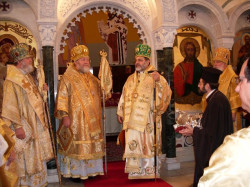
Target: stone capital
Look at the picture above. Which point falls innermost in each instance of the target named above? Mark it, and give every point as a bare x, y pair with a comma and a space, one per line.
47, 33
226, 41
164, 37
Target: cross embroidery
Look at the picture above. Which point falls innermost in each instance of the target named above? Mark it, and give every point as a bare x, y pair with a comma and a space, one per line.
30, 87
26, 84
65, 136
192, 14
4, 6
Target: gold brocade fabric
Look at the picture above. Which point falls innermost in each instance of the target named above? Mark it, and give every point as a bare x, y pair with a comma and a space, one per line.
24, 107
227, 86
8, 177
7, 134
136, 100
136, 108
79, 97
229, 165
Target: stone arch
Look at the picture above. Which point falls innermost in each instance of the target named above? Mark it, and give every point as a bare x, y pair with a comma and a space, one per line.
211, 12
235, 15
27, 20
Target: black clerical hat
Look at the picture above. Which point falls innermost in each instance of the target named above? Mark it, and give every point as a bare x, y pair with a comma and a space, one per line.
210, 75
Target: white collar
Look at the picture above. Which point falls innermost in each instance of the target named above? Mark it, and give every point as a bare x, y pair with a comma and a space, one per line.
210, 93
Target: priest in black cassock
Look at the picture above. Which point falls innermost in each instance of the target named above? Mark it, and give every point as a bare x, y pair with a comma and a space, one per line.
216, 122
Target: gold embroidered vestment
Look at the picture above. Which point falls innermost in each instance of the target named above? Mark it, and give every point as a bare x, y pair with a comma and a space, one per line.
79, 97
24, 107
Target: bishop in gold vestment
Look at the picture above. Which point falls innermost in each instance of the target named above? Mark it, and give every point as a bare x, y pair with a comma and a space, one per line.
78, 104
227, 84
135, 111
23, 106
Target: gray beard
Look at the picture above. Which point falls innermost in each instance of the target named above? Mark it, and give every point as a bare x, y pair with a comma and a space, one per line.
84, 69
28, 69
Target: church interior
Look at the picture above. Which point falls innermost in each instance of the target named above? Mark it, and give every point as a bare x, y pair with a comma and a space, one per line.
53, 27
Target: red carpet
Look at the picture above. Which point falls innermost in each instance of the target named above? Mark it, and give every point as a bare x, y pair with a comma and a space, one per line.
117, 178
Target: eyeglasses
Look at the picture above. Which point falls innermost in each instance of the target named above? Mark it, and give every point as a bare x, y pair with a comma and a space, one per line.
238, 80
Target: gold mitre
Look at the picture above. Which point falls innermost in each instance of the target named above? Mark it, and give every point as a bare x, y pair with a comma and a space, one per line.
222, 54
78, 52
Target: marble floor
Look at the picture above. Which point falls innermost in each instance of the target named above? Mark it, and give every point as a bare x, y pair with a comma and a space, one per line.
182, 177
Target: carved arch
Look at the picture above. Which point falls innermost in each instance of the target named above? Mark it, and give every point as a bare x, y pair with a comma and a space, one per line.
235, 15
212, 7
219, 31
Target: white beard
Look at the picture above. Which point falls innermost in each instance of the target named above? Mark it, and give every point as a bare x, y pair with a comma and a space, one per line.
28, 69
84, 69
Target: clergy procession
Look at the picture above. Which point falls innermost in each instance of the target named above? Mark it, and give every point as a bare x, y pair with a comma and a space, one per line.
121, 93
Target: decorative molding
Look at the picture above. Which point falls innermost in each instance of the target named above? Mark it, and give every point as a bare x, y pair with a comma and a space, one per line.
47, 34
18, 29
67, 5
138, 5
169, 11
47, 9
164, 37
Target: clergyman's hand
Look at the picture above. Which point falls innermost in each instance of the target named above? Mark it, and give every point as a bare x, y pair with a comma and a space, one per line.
66, 121
188, 131
120, 119
20, 134
156, 76
11, 158
45, 87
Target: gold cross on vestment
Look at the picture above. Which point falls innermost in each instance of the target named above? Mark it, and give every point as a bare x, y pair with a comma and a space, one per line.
30, 87
26, 84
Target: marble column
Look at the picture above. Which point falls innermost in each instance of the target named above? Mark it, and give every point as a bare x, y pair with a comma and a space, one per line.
165, 64
47, 52
49, 79
47, 22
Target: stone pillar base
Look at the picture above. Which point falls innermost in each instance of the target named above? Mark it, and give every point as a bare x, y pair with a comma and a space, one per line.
52, 176
172, 164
